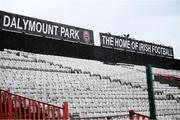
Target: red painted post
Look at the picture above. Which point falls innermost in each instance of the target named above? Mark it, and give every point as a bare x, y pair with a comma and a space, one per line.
34, 112
15, 105
59, 115
20, 108
10, 106
5, 106
65, 111
133, 117
29, 109
1, 110
48, 112
39, 112
24, 108
53, 112
43, 111
137, 116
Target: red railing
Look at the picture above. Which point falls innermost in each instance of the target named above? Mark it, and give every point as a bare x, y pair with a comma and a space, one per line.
137, 116
14, 106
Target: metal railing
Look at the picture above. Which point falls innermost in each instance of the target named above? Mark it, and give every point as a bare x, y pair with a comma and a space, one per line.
136, 116
14, 106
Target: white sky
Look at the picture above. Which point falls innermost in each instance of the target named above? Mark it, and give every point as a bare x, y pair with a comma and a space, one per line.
155, 21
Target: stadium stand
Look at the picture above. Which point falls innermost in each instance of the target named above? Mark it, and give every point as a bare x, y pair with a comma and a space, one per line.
93, 90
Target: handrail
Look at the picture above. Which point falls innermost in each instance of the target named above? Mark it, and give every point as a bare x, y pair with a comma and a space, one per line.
14, 106
137, 116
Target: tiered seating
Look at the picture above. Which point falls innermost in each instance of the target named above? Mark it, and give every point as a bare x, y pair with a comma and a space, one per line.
92, 88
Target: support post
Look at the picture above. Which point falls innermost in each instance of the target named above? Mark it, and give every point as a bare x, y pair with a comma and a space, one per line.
1, 106
65, 111
152, 108
10, 106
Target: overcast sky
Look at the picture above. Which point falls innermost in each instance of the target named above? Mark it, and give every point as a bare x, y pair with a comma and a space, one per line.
155, 21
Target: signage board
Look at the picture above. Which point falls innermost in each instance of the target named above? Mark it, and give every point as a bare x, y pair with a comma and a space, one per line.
132, 45
29, 25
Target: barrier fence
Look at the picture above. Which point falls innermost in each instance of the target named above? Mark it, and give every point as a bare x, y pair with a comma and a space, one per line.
136, 116
18, 107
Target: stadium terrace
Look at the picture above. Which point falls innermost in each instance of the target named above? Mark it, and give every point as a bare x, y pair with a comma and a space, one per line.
54, 71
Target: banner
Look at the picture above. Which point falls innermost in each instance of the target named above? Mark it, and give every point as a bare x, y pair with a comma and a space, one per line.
19, 23
131, 45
